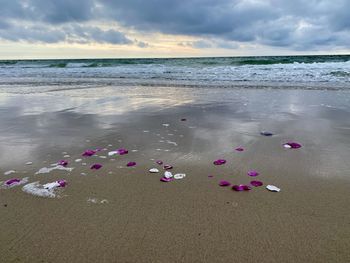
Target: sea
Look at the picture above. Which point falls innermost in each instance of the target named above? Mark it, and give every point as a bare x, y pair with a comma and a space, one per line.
330, 72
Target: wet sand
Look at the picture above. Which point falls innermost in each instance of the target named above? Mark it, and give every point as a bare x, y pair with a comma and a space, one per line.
125, 214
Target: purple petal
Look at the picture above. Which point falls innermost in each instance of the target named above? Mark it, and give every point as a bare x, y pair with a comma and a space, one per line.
224, 183
266, 133
253, 173
62, 183
129, 164
96, 166
12, 181
89, 153
210, 176
163, 179
167, 167
63, 162
292, 145
219, 162
241, 187
239, 149
159, 162
99, 149
122, 151
256, 183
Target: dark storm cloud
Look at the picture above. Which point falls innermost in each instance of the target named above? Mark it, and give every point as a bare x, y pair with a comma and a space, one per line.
297, 24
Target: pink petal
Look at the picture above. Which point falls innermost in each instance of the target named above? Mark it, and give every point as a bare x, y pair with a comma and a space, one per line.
239, 149
96, 166
256, 183
62, 183
224, 183
12, 181
219, 162
122, 151
167, 167
159, 162
241, 187
63, 162
129, 164
292, 145
89, 153
163, 179
253, 173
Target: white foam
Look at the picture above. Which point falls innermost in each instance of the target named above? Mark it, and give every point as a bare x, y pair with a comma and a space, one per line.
45, 170
38, 190
9, 172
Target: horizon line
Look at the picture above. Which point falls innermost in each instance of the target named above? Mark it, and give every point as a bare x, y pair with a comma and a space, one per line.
175, 57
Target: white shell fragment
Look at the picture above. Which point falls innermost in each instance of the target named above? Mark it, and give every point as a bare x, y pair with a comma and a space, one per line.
113, 153
170, 142
153, 170
97, 201
165, 124
78, 160
50, 186
179, 176
39, 190
168, 175
287, 146
9, 172
272, 188
29, 163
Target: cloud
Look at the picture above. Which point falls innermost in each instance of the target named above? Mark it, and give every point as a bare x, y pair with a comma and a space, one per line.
268, 22
86, 34
299, 24
69, 33
200, 44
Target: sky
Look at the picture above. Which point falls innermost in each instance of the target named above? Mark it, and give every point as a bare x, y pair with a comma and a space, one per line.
172, 28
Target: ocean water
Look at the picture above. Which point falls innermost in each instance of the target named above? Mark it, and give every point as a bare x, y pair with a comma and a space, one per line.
299, 72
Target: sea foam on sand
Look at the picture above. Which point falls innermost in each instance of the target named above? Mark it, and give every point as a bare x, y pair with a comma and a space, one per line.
37, 189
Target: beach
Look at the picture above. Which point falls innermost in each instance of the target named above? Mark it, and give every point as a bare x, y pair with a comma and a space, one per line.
126, 214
